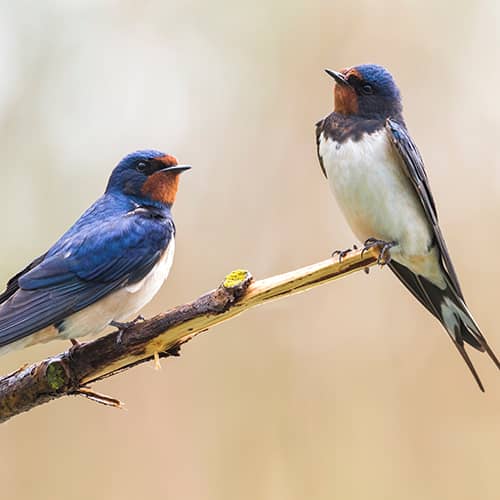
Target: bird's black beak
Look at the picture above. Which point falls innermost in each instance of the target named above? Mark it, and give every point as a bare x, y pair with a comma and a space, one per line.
176, 168
338, 77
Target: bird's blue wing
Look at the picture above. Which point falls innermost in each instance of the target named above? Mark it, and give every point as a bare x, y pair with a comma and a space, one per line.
415, 170
13, 284
85, 267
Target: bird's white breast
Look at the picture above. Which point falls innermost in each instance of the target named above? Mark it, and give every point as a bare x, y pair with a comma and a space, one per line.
374, 193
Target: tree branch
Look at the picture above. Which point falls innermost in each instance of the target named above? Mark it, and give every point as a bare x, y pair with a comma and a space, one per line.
71, 372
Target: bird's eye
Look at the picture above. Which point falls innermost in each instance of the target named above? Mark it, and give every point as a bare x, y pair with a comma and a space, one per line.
367, 89
141, 166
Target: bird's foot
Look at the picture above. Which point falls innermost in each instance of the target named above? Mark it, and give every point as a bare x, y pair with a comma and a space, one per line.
343, 253
384, 256
127, 324
75, 344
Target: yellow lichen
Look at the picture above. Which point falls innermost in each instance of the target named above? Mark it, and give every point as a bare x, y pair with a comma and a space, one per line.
235, 278
56, 376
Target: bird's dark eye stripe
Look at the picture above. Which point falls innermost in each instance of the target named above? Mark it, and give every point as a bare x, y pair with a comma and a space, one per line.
148, 167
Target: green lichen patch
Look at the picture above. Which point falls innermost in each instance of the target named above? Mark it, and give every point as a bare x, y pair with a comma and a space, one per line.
236, 278
56, 376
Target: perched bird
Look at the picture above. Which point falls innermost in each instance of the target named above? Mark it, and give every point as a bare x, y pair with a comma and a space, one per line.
378, 178
107, 266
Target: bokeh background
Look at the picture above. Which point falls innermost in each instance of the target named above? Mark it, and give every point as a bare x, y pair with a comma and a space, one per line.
349, 391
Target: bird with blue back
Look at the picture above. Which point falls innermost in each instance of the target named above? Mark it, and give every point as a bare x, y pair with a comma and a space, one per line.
377, 175
106, 267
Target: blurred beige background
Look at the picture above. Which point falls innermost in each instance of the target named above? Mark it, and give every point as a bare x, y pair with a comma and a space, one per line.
349, 391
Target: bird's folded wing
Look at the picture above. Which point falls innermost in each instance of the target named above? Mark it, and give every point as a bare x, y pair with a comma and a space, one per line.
414, 168
85, 268
13, 284
319, 130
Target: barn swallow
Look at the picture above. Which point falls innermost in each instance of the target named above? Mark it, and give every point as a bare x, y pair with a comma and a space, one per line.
106, 267
377, 176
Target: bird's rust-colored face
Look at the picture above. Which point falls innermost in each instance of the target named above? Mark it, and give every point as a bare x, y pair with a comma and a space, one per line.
367, 91
162, 186
345, 97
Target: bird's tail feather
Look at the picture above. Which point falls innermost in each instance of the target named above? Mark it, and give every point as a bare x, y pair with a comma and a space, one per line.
458, 320
449, 307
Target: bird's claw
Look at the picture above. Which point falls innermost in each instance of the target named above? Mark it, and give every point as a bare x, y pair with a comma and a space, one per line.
121, 327
75, 344
384, 257
341, 253
127, 324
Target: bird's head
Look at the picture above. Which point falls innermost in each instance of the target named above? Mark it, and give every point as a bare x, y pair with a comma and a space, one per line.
147, 174
367, 90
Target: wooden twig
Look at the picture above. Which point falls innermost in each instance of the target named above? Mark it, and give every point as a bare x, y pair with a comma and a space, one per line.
71, 372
